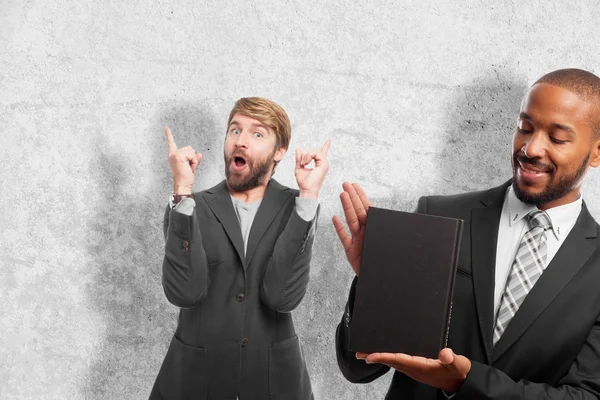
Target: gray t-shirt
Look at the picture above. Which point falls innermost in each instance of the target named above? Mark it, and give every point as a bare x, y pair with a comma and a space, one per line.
245, 213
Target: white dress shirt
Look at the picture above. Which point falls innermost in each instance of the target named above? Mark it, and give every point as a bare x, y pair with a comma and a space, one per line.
513, 226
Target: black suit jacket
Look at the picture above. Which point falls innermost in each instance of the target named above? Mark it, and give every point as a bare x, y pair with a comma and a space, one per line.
551, 348
235, 333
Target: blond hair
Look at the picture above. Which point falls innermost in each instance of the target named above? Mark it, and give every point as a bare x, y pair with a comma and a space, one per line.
269, 113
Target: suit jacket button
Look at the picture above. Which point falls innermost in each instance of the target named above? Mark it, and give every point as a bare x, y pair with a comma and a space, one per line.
241, 297
244, 342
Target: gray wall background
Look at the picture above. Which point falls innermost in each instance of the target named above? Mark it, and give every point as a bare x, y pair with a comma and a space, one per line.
418, 97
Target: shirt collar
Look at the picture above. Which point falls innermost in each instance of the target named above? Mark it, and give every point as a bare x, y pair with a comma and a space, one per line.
562, 217
245, 206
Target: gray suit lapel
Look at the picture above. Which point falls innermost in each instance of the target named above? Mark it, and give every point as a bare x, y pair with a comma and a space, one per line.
275, 197
220, 203
569, 259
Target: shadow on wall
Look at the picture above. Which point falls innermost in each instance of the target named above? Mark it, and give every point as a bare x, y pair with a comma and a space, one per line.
478, 133
126, 288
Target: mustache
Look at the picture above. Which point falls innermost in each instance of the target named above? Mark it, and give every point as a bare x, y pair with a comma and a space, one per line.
534, 162
238, 153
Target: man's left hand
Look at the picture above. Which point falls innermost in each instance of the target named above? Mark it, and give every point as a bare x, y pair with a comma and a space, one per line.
310, 180
448, 372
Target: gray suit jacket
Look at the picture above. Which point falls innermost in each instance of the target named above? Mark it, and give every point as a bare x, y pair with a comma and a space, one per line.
235, 333
550, 350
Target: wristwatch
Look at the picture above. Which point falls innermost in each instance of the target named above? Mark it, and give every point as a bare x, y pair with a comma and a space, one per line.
176, 198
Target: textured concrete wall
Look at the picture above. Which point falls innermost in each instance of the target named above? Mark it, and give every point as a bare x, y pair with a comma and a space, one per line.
419, 97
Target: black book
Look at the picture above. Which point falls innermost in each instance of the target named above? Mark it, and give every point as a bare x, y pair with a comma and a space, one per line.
403, 299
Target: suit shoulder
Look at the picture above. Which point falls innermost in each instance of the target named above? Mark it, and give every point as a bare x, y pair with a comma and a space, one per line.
202, 194
220, 187
459, 205
283, 188
459, 198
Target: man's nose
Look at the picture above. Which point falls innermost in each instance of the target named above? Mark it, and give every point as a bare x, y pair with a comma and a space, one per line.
535, 145
242, 140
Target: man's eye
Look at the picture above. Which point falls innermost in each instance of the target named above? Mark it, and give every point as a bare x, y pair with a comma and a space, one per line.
557, 141
235, 131
524, 127
258, 134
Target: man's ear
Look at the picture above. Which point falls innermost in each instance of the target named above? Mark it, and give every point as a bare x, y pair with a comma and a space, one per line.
595, 153
279, 154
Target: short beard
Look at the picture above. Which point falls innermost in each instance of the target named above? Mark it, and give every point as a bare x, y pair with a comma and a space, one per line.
554, 190
257, 173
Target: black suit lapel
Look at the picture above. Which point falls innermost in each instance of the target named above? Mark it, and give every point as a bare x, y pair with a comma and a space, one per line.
219, 201
275, 197
484, 238
569, 259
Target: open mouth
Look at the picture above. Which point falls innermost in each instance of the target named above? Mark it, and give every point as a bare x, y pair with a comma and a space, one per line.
238, 163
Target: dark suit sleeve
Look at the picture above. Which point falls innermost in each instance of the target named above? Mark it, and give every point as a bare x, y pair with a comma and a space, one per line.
357, 371
185, 274
287, 273
582, 381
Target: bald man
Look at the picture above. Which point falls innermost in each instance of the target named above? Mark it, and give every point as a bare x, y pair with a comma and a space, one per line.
526, 307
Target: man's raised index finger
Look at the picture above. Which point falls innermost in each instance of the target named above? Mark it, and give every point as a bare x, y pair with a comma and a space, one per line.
170, 141
325, 148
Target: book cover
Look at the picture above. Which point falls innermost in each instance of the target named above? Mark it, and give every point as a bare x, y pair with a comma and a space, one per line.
404, 291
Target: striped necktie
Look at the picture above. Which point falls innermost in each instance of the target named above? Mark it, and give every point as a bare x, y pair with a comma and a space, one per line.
528, 266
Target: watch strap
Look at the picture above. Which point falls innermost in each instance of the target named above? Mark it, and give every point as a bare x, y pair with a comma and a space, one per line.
178, 197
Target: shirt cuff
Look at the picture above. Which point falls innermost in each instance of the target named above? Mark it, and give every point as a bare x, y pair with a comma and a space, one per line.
306, 208
185, 206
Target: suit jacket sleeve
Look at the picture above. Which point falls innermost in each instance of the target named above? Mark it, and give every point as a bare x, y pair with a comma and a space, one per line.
354, 370
582, 381
184, 272
357, 371
287, 273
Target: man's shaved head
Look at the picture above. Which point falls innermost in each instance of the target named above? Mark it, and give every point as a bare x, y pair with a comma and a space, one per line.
582, 83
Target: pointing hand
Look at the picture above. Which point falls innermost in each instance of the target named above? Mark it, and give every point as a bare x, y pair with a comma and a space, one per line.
183, 162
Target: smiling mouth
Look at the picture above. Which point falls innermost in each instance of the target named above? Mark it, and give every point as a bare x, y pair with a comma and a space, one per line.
530, 170
533, 170
532, 166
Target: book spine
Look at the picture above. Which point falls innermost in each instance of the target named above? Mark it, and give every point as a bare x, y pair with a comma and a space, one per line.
448, 326
458, 236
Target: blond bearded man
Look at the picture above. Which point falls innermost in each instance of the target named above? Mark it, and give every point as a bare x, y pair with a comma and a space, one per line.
237, 261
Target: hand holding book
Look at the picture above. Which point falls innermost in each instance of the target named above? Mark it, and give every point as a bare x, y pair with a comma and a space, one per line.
403, 296
448, 372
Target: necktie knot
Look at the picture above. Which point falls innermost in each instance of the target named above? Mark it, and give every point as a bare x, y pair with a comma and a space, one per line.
540, 219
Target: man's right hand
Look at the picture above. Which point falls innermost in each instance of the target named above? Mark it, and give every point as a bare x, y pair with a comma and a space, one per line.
183, 164
355, 203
